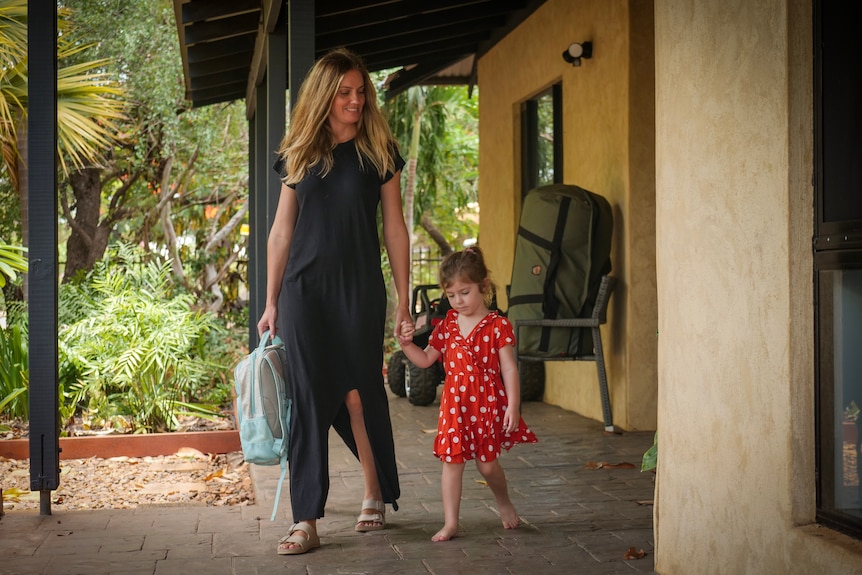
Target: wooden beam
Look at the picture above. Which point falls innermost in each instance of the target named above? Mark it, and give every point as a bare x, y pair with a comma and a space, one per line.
385, 26
221, 49
199, 11
223, 28
439, 38
272, 11
438, 58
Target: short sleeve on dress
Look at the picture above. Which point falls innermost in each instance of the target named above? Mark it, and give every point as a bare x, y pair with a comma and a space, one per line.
280, 168
505, 334
399, 164
438, 334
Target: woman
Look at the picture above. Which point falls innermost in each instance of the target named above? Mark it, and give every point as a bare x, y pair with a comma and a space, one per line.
325, 294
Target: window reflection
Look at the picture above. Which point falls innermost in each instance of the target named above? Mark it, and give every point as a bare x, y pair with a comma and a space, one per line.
545, 138
841, 369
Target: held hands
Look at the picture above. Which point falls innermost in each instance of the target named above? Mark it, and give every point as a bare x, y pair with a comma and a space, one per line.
405, 334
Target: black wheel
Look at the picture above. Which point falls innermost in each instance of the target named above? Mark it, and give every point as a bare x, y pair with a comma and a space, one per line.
532, 374
421, 384
395, 373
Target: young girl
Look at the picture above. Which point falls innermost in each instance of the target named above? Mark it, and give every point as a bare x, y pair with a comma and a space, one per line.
480, 405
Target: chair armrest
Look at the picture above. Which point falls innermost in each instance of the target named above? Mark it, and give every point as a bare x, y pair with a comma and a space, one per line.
576, 322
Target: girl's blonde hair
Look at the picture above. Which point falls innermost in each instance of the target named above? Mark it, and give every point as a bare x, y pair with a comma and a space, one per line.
309, 140
468, 266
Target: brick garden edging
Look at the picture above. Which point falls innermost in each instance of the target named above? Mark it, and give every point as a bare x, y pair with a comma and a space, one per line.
132, 445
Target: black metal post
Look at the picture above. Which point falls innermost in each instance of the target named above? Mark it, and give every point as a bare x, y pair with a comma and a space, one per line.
42, 291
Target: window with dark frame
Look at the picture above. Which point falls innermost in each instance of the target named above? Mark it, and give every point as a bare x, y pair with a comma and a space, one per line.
838, 267
541, 139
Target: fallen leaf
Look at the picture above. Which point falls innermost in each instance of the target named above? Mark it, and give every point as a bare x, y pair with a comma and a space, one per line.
429, 431
606, 465
190, 452
644, 502
13, 494
482, 482
214, 474
633, 553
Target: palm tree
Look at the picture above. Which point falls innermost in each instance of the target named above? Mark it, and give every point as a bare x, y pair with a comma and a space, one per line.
12, 261
433, 125
417, 117
88, 102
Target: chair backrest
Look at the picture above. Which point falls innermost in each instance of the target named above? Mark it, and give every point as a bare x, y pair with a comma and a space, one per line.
600, 310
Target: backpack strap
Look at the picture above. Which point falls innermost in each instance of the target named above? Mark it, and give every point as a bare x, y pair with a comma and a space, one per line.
278, 489
551, 306
286, 439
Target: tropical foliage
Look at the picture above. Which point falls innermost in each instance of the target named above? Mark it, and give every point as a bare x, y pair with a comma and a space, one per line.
14, 371
177, 184
148, 334
437, 127
12, 262
131, 345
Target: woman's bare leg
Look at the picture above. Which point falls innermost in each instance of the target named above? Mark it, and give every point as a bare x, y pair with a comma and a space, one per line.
363, 449
451, 484
496, 478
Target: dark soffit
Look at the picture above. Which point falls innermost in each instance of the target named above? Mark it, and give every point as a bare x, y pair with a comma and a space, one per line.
425, 41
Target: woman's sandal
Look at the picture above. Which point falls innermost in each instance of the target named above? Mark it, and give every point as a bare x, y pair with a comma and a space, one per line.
377, 520
304, 543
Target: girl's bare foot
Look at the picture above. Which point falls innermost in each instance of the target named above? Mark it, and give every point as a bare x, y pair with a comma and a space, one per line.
445, 534
509, 516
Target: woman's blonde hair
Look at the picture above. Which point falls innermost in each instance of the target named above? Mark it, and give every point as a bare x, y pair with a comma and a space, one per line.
309, 140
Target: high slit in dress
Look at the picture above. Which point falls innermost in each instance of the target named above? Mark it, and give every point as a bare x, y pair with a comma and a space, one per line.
331, 316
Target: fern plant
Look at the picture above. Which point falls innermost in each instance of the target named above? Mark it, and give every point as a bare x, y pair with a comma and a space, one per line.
131, 346
14, 371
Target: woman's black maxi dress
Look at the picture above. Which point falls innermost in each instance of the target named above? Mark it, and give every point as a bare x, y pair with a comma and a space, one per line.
331, 316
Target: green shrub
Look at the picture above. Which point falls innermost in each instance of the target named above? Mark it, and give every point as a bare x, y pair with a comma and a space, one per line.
131, 346
14, 371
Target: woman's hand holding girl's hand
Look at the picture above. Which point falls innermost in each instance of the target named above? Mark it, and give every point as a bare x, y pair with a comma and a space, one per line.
405, 336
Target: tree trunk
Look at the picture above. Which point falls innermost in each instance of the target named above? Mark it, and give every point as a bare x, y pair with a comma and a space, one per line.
410, 187
436, 235
89, 238
213, 276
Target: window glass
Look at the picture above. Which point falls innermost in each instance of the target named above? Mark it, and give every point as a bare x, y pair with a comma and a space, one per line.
545, 138
838, 267
840, 366
541, 140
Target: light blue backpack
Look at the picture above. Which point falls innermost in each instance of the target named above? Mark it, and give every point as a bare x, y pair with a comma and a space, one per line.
263, 407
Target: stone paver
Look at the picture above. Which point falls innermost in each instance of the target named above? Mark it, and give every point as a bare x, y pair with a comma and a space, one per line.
576, 518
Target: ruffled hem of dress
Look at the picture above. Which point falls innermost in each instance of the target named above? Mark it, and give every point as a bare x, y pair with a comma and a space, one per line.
458, 453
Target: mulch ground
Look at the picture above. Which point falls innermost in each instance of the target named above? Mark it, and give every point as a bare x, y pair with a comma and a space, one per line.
188, 477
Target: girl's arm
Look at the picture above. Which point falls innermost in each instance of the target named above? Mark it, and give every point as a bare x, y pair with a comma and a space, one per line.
277, 251
420, 357
397, 242
512, 383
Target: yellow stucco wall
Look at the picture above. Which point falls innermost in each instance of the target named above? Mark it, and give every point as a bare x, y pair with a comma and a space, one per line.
608, 144
734, 164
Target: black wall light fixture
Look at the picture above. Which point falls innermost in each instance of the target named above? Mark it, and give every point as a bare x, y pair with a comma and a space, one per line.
575, 52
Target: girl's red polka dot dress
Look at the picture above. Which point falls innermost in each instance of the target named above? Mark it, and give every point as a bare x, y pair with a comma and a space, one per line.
474, 400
